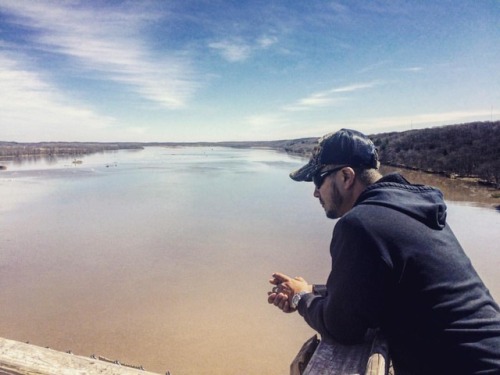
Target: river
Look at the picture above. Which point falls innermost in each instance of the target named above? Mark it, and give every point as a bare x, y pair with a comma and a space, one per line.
160, 257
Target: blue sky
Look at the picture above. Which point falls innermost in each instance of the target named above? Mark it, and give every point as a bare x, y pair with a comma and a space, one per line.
211, 70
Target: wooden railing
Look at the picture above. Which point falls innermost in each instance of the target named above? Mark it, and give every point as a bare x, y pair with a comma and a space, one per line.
17, 358
370, 357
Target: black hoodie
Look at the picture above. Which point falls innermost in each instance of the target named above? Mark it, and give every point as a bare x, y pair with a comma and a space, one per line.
397, 266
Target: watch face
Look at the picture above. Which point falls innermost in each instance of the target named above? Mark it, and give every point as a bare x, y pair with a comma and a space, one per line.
295, 300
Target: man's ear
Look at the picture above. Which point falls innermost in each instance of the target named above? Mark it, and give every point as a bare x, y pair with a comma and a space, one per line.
348, 177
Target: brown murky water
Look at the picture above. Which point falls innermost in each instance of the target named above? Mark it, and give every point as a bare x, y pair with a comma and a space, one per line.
161, 257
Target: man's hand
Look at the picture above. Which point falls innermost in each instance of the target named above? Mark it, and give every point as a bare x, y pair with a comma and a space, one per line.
284, 289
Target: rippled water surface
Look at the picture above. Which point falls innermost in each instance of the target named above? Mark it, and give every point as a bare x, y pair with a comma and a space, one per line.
161, 257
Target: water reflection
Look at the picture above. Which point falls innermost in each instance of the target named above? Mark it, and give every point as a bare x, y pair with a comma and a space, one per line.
31, 160
50, 161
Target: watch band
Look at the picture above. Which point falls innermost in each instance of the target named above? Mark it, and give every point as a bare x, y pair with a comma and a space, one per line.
296, 299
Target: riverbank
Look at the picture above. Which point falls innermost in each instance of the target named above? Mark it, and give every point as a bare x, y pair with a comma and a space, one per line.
461, 190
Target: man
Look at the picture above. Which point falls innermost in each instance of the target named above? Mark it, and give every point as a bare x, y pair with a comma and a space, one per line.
396, 266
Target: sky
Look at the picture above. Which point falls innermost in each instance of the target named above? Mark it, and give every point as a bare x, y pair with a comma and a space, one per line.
237, 70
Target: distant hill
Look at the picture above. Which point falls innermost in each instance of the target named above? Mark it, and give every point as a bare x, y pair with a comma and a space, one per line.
464, 150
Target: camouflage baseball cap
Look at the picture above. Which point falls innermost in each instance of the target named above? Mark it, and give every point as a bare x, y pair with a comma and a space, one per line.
345, 147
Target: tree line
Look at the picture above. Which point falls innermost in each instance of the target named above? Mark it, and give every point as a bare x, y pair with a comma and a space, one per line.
16, 150
465, 150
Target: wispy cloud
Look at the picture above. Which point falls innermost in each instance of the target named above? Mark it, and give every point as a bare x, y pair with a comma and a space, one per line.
265, 121
33, 109
272, 125
314, 101
413, 69
105, 41
231, 50
355, 87
267, 41
422, 120
237, 49
329, 97
432, 119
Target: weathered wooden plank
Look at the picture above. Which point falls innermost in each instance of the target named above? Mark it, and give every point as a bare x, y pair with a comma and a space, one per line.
18, 358
304, 355
368, 358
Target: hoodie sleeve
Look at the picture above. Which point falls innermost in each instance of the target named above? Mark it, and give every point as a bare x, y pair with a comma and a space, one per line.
356, 289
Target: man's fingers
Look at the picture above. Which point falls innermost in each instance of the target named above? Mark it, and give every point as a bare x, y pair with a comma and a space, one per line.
279, 277
279, 299
271, 297
287, 308
275, 281
283, 303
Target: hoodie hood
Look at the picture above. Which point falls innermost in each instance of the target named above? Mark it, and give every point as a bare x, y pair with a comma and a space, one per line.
423, 203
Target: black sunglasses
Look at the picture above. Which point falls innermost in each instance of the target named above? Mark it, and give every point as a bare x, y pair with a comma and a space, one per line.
319, 177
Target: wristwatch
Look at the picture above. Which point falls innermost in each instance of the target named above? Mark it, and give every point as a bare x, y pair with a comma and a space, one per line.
296, 299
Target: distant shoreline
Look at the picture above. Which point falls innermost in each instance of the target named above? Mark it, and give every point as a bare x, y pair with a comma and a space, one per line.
83, 149
464, 151
72, 149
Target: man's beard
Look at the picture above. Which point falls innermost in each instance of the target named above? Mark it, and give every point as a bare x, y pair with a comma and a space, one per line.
333, 212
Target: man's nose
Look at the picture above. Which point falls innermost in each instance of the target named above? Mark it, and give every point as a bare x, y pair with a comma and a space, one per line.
316, 192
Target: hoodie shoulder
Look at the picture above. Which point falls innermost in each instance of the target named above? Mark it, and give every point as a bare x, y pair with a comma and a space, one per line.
424, 203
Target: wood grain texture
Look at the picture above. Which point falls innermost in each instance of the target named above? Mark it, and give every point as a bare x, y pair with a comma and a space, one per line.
18, 358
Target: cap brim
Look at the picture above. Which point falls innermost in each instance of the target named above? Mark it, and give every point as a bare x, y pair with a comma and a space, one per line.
306, 173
